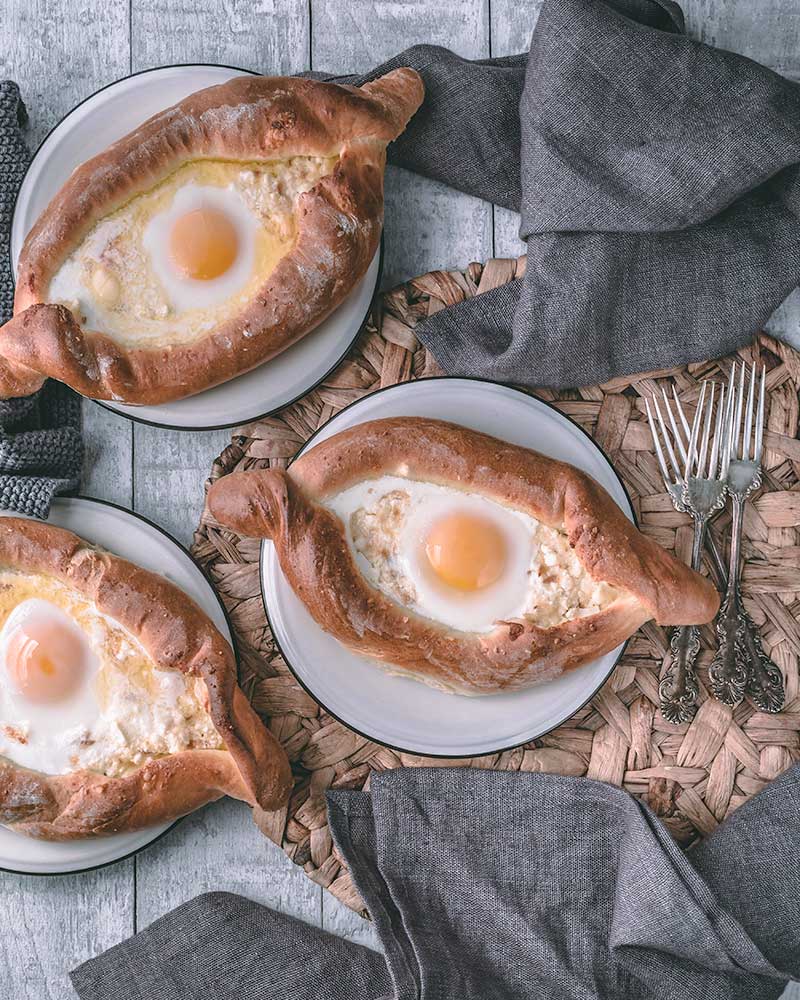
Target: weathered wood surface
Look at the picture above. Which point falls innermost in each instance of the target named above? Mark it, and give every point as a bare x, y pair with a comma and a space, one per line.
60, 52
50, 924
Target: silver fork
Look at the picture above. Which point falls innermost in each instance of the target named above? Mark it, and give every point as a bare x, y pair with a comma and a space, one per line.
697, 486
741, 666
745, 658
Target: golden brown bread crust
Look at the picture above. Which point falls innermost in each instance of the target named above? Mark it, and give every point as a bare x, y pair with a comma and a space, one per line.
248, 118
178, 635
314, 555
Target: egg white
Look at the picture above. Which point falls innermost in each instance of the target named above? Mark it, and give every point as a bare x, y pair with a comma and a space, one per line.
189, 293
51, 730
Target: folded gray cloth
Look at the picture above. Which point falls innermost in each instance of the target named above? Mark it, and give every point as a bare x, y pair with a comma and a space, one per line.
40, 435
657, 179
501, 886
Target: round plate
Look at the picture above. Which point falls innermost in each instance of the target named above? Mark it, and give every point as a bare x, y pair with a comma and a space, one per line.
405, 714
92, 126
133, 537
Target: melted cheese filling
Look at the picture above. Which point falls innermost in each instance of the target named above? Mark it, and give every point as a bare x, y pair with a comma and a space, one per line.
127, 711
388, 520
119, 281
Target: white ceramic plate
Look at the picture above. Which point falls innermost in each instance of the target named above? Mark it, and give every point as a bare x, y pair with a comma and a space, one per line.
402, 713
88, 129
132, 537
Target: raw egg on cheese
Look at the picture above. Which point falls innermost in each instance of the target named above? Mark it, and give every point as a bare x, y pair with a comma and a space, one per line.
48, 671
179, 259
203, 244
46, 657
202, 247
79, 691
466, 550
463, 559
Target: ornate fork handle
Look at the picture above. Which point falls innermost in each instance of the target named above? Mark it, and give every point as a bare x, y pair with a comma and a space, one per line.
740, 665
678, 688
727, 672
765, 680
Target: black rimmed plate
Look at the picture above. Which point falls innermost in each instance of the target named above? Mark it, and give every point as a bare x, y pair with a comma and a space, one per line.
401, 713
135, 538
88, 129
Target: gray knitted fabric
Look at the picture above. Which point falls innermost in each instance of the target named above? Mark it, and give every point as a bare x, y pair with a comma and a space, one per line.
41, 450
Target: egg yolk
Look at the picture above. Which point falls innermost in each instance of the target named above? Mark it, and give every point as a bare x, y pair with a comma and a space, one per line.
466, 551
44, 661
203, 244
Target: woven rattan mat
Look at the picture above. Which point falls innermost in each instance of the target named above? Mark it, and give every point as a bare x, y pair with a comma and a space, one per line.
691, 775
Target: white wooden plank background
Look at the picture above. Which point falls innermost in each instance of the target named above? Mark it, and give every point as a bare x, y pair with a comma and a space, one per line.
60, 52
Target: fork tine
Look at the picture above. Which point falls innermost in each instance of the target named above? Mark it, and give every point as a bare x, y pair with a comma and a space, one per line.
684, 423
674, 468
659, 453
737, 420
706, 434
675, 465
716, 446
692, 449
760, 416
748, 416
728, 433
676, 433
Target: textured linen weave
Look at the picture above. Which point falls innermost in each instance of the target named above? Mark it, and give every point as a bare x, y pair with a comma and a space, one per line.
657, 180
491, 885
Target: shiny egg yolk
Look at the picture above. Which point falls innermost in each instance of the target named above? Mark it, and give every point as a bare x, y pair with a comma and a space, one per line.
466, 551
203, 244
45, 661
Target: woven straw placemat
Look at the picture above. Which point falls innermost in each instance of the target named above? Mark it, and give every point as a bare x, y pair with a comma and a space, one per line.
692, 775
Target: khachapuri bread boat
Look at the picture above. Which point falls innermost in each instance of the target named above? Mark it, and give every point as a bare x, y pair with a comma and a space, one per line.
463, 561
206, 241
119, 707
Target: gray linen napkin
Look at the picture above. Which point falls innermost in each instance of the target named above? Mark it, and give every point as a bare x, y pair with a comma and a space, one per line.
40, 435
501, 886
657, 179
